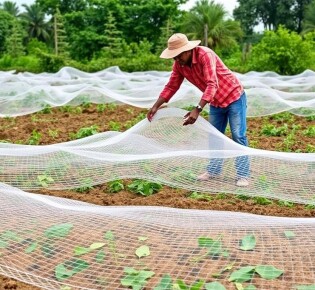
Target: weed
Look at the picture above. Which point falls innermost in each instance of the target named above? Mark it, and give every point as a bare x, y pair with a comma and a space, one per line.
46, 110
35, 138
200, 196
114, 126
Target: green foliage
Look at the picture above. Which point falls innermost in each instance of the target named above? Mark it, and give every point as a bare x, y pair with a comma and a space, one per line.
50, 62
34, 45
6, 24
14, 42
209, 16
282, 52
115, 186
86, 184
35, 138
136, 279
85, 132
144, 187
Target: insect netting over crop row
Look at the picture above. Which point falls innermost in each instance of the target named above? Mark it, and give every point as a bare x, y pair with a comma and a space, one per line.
25, 93
163, 151
56, 243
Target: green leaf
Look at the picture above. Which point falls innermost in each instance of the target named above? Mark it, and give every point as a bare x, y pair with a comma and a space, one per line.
96, 246
248, 243
100, 256
197, 285
109, 236
243, 274
3, 244
165, 283
31, 248
58, 231
305, 287
239, 286
214, 286
78, 251
142, 239
62, 273
143, 251
250, 287
69, 268
135, 279
289, 234
204, 242
268, 272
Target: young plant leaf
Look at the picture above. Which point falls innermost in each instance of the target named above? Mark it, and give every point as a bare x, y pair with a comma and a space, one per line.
143, 251
244, 274
69, 268
268, 272
214, 286
31, 248
100, 256
165, 283
248, 243
289, 234
305, 287
58, 231
96, 246
142, 239
78, 251
135, 279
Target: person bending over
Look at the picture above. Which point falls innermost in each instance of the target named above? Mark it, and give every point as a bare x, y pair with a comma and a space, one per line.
221, 90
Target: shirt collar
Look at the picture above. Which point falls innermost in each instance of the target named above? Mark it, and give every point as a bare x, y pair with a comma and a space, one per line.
194, 55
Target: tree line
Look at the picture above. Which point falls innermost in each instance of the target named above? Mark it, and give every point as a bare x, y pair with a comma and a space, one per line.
94, 34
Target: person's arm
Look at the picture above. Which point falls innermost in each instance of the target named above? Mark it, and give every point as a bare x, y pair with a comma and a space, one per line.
168, 92
160, 101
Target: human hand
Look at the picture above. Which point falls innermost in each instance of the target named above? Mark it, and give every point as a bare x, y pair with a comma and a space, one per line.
191, 117
151, 113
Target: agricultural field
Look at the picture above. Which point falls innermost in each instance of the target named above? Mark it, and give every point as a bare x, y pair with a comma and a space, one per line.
281, 132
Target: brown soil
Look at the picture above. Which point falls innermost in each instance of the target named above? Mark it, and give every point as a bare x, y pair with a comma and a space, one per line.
60, 125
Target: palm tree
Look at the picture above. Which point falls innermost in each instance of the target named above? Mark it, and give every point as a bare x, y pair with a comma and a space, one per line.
11, 8
206, 21
309, 18
37, 27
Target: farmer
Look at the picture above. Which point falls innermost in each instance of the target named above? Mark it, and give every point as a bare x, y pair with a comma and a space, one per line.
221, 90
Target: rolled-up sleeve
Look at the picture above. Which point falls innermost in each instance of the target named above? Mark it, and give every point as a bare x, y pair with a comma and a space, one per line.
173, 84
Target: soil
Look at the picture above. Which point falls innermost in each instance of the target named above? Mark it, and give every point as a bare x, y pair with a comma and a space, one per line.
61, 125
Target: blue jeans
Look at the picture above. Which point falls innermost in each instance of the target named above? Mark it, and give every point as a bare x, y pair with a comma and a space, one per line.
235, 114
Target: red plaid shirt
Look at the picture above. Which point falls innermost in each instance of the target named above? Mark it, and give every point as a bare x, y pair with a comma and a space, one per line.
219, 85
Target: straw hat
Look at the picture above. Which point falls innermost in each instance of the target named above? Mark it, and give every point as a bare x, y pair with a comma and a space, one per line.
177, 44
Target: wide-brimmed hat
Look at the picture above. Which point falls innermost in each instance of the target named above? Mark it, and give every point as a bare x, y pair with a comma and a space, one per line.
178, 43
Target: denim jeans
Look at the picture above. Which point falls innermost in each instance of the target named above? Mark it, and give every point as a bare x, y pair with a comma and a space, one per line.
235, 114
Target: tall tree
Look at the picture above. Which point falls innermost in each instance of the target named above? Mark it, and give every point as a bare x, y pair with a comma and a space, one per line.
272, 13
36, 25
6, 24
60, 41
11, 8
65, 6
113, 37
207, 21
309, 20
14, 42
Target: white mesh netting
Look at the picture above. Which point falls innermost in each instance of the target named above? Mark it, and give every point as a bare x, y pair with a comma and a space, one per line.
25, 93
164, 151
56, 243
63, 244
